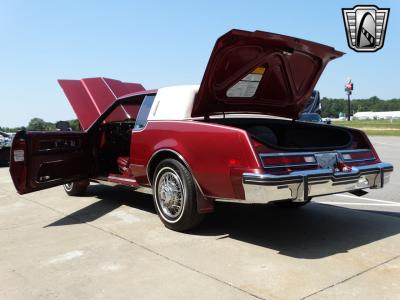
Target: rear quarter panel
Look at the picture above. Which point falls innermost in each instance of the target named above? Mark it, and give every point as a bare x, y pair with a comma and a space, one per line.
216, 154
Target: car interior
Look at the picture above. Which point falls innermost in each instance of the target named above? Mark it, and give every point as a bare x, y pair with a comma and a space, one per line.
114, 148
287, 135
115, 134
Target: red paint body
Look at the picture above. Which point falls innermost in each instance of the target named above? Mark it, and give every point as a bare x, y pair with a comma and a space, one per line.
207, 148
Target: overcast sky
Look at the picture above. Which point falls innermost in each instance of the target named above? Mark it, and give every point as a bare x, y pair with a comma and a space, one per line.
162, 43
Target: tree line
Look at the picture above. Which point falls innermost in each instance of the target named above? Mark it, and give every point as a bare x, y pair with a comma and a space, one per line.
37, 124
333, 107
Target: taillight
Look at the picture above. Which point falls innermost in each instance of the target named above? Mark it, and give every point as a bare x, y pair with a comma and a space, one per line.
361, 155
280, 160
19, 155
361, 142
18, 150
18, 162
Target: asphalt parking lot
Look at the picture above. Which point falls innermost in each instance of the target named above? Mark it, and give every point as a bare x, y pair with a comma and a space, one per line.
110, 244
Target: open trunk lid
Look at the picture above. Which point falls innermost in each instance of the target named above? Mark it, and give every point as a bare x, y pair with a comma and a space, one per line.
261, 72
90, 97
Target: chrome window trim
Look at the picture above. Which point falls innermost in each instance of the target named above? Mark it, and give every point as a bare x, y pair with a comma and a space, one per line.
139, 129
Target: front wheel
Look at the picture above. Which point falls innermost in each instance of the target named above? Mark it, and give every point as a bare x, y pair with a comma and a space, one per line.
76, 188
175, 196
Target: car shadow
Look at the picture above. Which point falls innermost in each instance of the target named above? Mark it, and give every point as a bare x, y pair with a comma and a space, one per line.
110, 198
311, 232
394, 214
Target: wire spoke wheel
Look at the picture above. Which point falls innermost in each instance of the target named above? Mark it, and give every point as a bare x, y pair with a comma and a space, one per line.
170, 193
175, 196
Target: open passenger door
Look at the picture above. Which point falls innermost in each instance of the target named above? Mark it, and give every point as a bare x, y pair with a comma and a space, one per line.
40, 160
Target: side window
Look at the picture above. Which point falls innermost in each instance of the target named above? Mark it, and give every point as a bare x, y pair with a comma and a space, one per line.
144, 110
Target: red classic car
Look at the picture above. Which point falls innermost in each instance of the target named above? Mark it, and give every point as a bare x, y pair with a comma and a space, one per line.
232, 138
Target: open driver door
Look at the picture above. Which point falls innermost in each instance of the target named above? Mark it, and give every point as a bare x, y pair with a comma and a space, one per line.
40, 160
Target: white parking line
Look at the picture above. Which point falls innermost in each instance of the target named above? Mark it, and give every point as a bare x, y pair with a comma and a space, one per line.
366, 199
355, 204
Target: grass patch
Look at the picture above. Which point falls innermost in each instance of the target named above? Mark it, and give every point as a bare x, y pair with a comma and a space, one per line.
374, 127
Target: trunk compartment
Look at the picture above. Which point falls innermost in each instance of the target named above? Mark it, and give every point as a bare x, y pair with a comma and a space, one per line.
286, 135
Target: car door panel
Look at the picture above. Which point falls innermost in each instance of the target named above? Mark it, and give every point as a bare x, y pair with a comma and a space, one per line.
41, 160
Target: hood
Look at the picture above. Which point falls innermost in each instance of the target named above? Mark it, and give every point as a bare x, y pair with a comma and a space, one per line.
261, 72
90, 97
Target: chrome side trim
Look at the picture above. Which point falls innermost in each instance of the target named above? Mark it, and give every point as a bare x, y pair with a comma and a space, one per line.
141, 189
230, 200
300, 185
122, 179
181, 158
104, 182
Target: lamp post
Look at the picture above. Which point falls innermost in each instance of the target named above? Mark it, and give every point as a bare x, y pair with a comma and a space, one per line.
348, 88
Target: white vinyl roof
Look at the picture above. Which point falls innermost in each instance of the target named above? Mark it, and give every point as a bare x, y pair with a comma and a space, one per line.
173, 103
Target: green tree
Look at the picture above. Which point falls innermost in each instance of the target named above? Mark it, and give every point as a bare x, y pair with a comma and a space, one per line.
332, 107
12, 129
37, 124
75, 125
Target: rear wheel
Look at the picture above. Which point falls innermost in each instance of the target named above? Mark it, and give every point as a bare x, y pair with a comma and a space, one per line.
76, 188
175, 196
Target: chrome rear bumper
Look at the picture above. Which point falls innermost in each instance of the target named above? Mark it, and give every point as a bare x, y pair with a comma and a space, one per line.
300, 185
